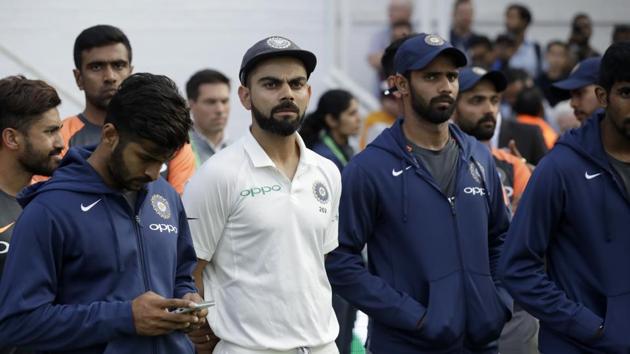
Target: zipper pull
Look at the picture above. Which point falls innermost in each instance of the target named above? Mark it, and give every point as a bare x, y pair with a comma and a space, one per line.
138, 220
451, 201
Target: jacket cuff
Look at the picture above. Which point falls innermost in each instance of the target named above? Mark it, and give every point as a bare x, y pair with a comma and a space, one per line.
585, 325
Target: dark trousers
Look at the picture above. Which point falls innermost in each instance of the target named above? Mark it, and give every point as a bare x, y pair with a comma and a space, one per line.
346, 315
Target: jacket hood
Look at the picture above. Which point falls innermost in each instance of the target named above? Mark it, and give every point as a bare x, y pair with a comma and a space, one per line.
73, 174
393, 140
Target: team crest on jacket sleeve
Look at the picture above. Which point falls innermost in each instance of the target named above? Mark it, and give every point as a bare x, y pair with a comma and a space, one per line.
161, 207
477, 171
320, 192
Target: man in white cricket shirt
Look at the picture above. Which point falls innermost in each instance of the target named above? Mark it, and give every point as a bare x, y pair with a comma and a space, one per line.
263, 214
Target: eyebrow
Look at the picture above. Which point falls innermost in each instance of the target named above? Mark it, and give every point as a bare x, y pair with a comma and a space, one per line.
276, 79
102, 62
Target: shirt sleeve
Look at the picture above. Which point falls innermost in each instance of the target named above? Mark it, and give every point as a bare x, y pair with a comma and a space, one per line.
181, 168
207, 203
331, 238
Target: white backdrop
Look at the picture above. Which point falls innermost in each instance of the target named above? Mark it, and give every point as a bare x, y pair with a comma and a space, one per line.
179, 38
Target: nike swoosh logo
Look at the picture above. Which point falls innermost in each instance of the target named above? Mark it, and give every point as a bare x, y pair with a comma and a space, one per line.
587, 176
399, 172
5, 228
86, 208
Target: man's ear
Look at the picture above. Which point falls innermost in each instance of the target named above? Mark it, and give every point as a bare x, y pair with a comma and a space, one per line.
402, 84
602, 96
11, 138
245, 96
78, 78
110, 136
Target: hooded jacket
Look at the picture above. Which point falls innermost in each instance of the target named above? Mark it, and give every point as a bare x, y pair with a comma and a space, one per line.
567, 259
87, 255
430, 283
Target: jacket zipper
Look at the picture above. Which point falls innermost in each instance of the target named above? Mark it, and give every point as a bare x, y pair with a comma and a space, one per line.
140, 243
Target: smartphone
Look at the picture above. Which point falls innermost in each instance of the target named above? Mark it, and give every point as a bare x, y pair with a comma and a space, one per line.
200, 306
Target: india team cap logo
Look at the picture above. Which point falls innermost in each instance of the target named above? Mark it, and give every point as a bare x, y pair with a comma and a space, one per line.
434, 40
479, 71
320, 192
161, 207
278, 42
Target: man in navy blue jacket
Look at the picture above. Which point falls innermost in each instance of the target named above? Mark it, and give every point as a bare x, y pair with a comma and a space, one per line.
105, 243
427, 200
566, 255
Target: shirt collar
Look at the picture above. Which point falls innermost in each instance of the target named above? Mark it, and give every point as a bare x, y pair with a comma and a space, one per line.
259, 157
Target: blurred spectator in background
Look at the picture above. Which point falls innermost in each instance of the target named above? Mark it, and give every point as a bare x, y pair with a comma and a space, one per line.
327, 130
461, 27
208, 93
504, 49
518, 79
528, 53
481, 52
621, 33
557, 57
564, 118
581, 85
399, 13
380, 120
581, 31
529, 110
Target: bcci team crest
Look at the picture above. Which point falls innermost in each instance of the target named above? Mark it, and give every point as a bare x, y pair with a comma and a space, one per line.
161, 207
278, 42
320, 192
477, 171
434, 40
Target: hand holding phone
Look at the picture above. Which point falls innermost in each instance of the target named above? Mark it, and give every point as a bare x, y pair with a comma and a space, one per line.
197, 307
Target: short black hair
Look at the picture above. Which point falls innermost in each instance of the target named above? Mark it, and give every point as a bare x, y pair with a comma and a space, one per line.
205, 76
558, 43
529, 101
619, 30
387, 60
480, 40
22, 100
515, 74
150, 107
614, 65
506, 39
98, 36
523, 12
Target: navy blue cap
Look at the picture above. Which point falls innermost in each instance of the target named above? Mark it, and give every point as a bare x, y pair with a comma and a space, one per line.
275, 46
469, 77
417, 52
583, 74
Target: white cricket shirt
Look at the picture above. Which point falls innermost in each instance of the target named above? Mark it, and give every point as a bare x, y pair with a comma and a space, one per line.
265, 238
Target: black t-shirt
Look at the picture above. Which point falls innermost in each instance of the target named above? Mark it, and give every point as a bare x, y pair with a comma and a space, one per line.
623, 170
9, 212
441, 164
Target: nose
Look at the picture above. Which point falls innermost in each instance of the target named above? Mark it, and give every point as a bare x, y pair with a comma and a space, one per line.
109, 74
286, 92
574, 101
447, 87
58, 141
